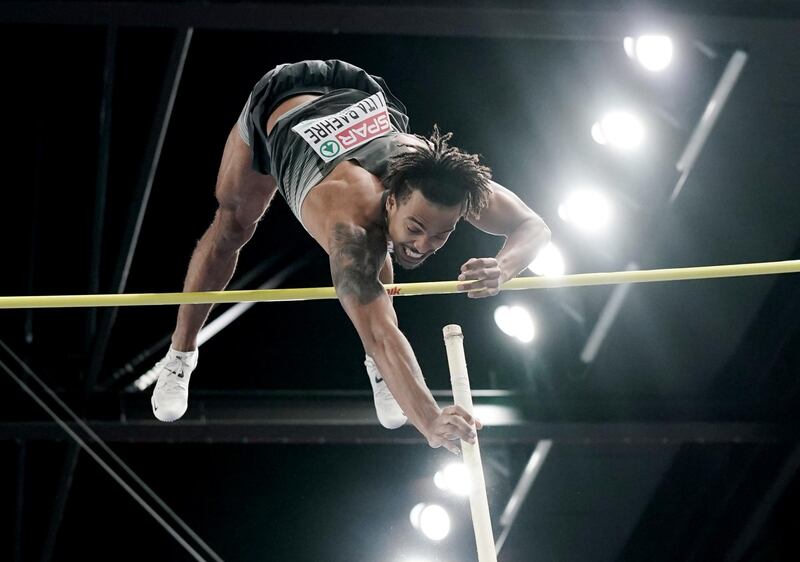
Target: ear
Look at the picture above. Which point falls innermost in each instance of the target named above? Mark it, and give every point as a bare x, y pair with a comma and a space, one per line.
391, 202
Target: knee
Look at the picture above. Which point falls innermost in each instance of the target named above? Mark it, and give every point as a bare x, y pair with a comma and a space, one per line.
243, 199
230, 232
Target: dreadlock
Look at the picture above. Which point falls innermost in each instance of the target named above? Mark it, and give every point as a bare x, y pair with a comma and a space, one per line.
444, 174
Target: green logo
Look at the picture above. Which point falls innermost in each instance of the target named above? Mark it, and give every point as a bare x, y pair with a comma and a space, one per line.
329, 148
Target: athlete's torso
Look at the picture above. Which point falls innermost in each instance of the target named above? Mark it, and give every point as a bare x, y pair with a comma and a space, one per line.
350, 188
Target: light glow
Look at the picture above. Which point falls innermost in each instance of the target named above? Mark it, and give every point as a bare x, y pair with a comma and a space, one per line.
454, 478
415, 513
516, 322
654, 52
586, 209
618, 129
439, 480
597, 134
548, 261
434, 522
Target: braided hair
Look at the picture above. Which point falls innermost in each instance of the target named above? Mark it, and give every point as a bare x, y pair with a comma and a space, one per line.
444, 174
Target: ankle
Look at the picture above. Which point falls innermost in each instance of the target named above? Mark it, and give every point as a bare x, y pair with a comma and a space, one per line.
183, 345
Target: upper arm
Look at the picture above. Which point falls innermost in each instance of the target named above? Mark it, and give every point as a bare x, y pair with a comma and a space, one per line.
504, 213
356, 258
386, 274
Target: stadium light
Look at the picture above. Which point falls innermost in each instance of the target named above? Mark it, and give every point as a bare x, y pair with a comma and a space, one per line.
548, 261
434, 522
516, 322
653, 52
618, 129
414, 515
431, 519
454, 478
586, 209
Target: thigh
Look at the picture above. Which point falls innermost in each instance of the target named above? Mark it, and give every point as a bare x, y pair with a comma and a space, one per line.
242, 192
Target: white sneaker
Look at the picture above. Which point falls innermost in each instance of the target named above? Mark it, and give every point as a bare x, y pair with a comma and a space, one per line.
171, 393
389, 413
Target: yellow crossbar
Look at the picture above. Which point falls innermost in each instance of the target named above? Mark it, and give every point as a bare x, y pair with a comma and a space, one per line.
404, 289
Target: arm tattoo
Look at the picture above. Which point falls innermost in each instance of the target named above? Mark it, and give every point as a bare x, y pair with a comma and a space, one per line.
357, 256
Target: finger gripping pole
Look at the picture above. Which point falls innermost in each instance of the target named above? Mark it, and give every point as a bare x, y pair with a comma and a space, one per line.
478, 502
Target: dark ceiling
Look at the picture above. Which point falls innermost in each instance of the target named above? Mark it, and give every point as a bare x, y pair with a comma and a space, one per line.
678, 442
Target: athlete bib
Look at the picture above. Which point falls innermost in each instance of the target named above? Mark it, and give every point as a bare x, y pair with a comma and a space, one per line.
337, 134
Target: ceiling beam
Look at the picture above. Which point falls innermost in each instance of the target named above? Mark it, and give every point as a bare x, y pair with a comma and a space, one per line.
335, 431
428, 20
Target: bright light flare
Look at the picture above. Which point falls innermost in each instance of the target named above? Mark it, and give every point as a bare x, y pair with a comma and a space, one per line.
598, 135
548, 261
619, 129
415, 513
454, 479
586, 209
516, 322
434, 522
654, 52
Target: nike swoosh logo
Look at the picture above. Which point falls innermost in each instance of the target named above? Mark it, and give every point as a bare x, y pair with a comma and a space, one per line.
378, 380
179, 373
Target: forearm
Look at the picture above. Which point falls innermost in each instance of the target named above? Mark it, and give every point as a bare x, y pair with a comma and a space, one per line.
521, 247
400, 370
357, 257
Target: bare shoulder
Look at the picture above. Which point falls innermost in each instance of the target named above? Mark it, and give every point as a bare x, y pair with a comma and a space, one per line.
349, 195
354, 192
353, 175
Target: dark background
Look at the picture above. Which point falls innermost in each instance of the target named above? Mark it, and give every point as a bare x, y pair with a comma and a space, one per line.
692, 359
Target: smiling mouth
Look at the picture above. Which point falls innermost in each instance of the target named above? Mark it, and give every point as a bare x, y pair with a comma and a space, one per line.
411, 255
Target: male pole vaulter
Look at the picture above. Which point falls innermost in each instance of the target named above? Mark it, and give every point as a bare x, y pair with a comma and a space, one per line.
334, 142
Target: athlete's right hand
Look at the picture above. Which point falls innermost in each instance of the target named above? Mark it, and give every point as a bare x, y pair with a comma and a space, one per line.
452, 423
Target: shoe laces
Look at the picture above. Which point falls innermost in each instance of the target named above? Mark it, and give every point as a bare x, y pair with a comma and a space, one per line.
172, 381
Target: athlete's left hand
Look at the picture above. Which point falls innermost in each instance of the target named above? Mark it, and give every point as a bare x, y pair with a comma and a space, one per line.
485, 276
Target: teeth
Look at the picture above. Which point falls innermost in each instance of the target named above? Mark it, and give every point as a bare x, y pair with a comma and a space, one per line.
413, 254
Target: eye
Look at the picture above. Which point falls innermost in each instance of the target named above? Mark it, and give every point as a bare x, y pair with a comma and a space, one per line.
413, 230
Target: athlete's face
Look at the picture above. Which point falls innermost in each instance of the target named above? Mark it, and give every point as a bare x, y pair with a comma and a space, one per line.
417, 227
